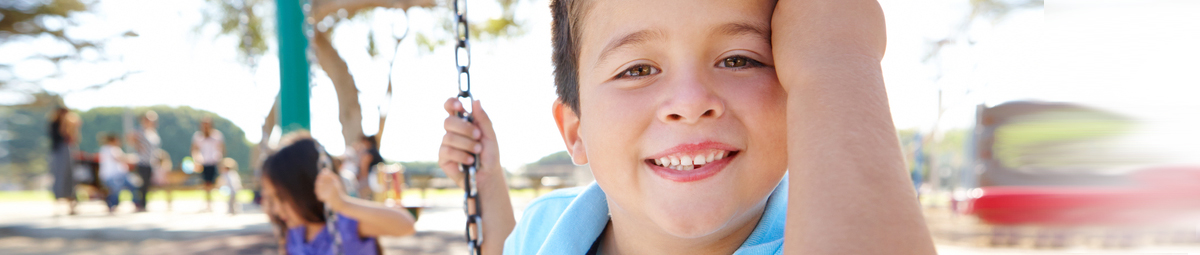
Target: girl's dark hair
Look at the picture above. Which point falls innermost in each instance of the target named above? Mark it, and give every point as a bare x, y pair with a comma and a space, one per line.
371, 142
293, 170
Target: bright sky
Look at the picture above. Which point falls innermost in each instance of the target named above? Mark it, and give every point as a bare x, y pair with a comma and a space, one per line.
1094, 52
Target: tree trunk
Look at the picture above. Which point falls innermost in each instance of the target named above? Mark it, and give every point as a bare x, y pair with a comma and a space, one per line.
260, 152
383, 114
349, 109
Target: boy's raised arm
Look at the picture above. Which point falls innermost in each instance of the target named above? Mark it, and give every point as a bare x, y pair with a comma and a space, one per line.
463, 139
849, 193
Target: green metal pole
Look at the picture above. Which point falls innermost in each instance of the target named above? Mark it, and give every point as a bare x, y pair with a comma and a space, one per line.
293, 67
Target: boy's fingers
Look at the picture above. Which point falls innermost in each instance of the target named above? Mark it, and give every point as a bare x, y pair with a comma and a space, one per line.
461, 143
481, 118
458, 126
451, 170
453, 106
456, 156
450, 159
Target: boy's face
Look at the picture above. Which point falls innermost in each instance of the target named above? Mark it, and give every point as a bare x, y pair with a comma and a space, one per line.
674, 79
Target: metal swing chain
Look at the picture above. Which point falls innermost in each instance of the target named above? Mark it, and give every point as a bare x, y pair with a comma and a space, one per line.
324, 163
462, 62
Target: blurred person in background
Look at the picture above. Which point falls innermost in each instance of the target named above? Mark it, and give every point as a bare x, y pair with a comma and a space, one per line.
161, 168
231, 181
368, 156
63, 139
298, 188
114, 170
208, 148
146, 143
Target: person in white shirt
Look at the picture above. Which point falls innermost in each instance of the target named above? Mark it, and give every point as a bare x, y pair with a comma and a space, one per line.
114, 170
208, 148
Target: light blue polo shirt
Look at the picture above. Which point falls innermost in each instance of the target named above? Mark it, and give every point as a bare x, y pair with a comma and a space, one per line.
568, 221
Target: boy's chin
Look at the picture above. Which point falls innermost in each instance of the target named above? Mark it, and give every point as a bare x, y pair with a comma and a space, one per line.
693, 224
695, 217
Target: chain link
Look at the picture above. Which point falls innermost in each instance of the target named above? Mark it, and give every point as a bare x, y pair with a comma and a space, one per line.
462, 62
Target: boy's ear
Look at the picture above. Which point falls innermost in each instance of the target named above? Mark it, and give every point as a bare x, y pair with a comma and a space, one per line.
568, 126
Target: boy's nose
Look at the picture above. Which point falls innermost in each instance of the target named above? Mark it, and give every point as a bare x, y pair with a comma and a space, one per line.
691, 99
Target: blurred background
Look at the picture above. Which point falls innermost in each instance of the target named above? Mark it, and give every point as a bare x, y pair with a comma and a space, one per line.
1028, 126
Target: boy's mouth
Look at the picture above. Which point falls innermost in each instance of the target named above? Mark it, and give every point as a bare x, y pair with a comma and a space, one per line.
692, 162
688, 161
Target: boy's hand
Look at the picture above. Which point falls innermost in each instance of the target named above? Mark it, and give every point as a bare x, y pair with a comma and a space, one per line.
329, 189
464, 139
461, 141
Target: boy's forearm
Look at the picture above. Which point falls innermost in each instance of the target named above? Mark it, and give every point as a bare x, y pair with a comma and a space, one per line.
497, 211
849, 193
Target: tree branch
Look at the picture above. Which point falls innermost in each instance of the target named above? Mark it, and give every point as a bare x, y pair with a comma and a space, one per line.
349, 110
322, 8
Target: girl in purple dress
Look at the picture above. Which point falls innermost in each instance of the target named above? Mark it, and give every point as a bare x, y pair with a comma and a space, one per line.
298, 189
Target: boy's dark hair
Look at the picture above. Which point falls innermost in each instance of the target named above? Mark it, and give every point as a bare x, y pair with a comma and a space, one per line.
109, 137
567, 16
293, 171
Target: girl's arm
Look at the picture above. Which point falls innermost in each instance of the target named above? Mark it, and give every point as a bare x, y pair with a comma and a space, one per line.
373, 219
849, 192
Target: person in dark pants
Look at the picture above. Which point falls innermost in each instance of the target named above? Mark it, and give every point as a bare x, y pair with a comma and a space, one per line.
146, 142
208, 149
63, 139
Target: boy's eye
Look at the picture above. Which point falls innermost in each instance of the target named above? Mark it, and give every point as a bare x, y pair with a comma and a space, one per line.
638, 71
739, 62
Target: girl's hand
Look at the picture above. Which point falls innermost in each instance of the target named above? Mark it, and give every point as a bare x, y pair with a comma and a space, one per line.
329, 189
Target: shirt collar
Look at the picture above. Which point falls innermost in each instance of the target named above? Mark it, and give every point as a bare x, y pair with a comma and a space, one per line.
587, 215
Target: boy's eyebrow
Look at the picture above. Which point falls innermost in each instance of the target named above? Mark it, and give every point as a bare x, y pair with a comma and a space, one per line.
732, 29
741, 28
629, 39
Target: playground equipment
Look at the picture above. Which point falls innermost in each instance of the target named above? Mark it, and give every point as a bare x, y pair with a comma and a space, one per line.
1064, 208
294, 58
462, 62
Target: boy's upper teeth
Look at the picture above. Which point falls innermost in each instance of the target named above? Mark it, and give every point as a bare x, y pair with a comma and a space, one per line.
690, 160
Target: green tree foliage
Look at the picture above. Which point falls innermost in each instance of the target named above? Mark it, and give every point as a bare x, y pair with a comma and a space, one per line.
23, 20
244, 19
24, 144
557, 158
504, 26
949, 148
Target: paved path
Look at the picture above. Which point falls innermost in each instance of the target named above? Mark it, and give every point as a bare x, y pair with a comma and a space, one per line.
32, 228
43, 228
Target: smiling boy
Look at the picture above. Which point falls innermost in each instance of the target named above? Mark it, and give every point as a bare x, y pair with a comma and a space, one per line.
691, 114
